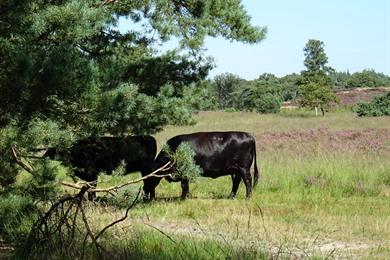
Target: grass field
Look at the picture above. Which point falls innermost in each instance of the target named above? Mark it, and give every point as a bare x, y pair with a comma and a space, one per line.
324, 192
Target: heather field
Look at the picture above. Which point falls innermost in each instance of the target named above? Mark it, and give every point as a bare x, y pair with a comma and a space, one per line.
324, 192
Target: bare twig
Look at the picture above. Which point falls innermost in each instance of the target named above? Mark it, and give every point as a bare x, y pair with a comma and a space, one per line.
89, 231
79, 185
121, 219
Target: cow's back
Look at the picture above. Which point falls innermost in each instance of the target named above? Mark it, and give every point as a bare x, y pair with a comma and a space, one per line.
136, 151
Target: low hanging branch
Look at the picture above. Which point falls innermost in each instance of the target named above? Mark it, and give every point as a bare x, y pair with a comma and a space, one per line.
164, 168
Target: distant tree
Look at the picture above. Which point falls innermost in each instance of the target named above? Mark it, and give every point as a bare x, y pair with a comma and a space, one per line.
262, 95
339, 79
315, 91
226, 85
289, 86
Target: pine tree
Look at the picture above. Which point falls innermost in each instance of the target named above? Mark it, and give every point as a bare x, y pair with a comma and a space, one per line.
315, 82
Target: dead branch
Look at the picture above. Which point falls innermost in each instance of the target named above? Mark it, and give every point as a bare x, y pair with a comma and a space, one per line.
53, 223
121, 219
106, 2
67, 219
165, 167
19, 161
89, 231
79, 186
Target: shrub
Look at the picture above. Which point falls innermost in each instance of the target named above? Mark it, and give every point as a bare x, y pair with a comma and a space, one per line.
379, 106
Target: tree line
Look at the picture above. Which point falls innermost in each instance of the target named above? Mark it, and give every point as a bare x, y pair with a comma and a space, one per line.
229, 91
311, 88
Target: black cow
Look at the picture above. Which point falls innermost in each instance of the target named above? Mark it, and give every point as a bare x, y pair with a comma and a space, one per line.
88, 157
217, 154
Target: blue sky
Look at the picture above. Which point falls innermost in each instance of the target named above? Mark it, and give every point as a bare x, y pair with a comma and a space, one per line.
356, 35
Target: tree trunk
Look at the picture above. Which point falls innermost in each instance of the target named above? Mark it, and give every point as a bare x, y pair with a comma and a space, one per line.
316, 110
322, 111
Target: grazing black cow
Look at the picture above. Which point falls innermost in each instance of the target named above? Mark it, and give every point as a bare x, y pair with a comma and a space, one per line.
89, 157
217, 154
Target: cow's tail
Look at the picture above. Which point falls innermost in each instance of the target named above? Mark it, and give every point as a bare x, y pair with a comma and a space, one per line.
256, 171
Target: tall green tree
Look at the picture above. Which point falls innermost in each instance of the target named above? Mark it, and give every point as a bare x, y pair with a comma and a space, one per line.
315, 82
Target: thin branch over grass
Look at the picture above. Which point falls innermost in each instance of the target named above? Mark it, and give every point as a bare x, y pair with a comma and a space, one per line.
165, 167
121, 219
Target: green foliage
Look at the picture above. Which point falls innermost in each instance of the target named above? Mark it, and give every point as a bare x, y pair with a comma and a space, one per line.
67, 72
339, 79
184, 163
315, 57
144, 243
200, 96
289, 86
379, 106
42, 186
122, 199
363, 79
262, 95
225, 87
314, 94
152, 245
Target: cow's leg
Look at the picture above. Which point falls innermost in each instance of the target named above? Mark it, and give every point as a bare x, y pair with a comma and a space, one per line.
247, 178
146, 190
236, 178
149, 191
184, 189
150, 188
